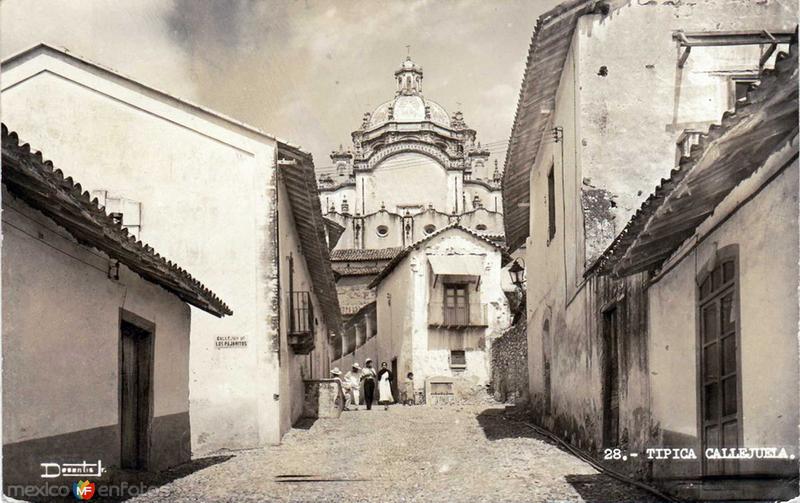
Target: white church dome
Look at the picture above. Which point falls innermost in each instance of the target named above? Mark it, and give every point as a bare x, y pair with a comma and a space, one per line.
409, 105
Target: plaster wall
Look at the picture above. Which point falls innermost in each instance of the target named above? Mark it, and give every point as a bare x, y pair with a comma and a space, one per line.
369, 349
423, 349
61, 339
296, 367
492, 220
768, 313
397, 318
618, 128
572, 307
335, 198
187, 169
490, 199
634, 101
395, 182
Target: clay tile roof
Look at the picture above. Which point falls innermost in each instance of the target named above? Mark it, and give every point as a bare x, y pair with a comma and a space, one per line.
28, 176
728, 154
365, 255
297, 172
406, 251
550, 43
345, 269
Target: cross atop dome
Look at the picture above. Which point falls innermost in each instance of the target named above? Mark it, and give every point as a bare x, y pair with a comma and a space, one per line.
409, 77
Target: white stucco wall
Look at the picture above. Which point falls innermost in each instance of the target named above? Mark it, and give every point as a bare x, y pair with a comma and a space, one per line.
403, 326
203, 186
618, 142
768, 308
61, 339
395, 182
627, 139
296, 367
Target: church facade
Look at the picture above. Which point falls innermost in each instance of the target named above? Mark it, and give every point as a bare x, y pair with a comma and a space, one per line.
416, 183
412, 169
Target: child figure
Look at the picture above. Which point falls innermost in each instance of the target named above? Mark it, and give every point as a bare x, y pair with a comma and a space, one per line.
408, 390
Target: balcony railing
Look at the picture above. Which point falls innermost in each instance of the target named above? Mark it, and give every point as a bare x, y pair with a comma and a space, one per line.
470, 315
301, 323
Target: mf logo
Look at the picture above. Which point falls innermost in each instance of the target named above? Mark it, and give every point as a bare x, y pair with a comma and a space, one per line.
83, 490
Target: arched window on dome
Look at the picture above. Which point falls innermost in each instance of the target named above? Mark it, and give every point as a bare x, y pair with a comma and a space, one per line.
408, 82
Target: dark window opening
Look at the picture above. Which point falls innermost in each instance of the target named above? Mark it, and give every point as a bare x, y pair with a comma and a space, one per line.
740, 88
551, 205
458, 358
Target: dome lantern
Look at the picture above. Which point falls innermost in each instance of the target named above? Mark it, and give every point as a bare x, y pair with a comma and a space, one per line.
409, 78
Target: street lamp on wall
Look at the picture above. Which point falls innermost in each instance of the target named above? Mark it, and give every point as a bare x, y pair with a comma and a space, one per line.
517, 272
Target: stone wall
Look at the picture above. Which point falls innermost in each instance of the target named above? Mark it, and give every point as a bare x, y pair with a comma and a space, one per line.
510, 364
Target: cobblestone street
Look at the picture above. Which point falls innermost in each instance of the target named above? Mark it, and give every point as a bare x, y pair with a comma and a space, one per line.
439, 454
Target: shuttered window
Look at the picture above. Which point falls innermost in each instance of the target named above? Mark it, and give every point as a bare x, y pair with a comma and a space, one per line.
719, 363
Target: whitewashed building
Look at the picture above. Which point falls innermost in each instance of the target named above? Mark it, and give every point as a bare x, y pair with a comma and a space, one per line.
96, 334
438, 306
615, 95
722, 232
231, 203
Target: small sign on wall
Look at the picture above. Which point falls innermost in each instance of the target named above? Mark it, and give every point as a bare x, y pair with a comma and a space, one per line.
230, 341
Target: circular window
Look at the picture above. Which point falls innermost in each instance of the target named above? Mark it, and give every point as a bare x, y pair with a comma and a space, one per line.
430, 229
480, 227
382, 231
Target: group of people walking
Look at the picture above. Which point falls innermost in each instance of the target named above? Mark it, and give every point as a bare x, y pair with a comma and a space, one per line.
368, 379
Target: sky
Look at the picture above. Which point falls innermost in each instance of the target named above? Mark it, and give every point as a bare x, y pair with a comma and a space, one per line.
303, 70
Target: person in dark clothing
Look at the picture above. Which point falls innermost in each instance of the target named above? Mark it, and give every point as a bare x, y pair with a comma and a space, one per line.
368, 378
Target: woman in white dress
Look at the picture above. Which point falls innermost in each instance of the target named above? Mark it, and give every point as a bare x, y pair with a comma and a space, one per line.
385, 379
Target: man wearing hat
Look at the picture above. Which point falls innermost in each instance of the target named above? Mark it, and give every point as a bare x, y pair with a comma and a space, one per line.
353, 380
368, 375
343, 391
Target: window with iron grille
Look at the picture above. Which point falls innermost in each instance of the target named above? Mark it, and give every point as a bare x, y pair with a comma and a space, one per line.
458, 358
302, 318
456, 304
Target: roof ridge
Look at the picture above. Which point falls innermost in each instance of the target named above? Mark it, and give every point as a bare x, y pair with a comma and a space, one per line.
44, 46
404, 253
111, 229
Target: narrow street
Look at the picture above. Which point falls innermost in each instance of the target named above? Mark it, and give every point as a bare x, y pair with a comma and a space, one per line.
431, 454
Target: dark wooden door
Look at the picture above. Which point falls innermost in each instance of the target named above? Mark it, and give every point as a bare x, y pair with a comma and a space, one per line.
396, 379
719, 367
135, 369
611, 379
548, 391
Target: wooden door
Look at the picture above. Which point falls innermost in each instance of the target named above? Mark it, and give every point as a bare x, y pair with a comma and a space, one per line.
546, 366
135, 388
611, 379
719, 367
395, 381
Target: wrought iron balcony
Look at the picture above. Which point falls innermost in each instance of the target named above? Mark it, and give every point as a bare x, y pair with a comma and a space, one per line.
473, 315
301, 323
